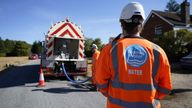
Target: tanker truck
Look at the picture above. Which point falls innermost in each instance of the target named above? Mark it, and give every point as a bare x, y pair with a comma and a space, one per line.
64, 43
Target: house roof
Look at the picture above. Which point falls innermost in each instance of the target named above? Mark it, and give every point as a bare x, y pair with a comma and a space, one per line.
171, 17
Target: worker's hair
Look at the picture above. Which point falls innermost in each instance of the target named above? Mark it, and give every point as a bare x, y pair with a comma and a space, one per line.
132, 27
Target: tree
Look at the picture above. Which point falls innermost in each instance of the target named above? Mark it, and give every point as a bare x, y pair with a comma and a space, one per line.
175, 43
14, 48
36, 47
10, 44
98, 42
173, 6
88, 44
21, 48
2, 48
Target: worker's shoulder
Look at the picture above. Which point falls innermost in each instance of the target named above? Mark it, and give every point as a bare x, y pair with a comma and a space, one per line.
97, 52
107, 47
157, 48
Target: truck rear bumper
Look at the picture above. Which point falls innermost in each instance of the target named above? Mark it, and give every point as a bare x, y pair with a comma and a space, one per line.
50, 72
61, 74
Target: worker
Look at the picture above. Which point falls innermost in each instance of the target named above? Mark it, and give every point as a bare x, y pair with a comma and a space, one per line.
95, 57
133, 72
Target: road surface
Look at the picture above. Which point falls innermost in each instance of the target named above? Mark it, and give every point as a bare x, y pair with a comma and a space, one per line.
18, 90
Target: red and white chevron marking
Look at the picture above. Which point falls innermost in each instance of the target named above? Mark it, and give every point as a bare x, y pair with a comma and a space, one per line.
81, 47
65, 29
50, 45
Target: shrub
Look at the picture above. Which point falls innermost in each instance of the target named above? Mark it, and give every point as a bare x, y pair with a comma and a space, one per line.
175, 43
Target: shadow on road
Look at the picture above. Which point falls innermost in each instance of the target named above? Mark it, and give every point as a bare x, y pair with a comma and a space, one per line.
64, 90
19, 76
175, 91
71, 88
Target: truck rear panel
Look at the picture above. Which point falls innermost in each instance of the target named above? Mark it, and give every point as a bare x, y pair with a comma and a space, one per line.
64, 43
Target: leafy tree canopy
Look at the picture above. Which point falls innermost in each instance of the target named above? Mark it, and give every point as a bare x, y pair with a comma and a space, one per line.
175, 43
173, 6
88, 44
13, 48
36, 47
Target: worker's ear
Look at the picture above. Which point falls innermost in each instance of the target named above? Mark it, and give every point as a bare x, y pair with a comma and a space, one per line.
122, 27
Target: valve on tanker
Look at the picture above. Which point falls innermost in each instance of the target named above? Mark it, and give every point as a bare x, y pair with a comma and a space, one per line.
62, 55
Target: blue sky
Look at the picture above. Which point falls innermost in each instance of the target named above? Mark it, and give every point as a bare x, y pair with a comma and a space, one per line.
28, 20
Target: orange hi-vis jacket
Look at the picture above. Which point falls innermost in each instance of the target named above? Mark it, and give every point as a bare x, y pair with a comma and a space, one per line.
94, 63
133, 73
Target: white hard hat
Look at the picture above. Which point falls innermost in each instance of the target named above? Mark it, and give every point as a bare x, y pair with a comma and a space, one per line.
133, 8
94, 46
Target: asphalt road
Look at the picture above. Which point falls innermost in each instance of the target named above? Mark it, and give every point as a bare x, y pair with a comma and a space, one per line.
18, 90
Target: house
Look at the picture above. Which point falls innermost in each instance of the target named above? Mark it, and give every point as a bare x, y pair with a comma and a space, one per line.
159, 22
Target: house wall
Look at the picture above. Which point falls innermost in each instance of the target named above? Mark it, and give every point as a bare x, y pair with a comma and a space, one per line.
149, 27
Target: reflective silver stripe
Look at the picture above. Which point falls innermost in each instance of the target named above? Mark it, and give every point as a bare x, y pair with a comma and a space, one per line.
115, 62
105, 93
155, 65
156, 103
126, 86
155, 70
125, 104
99, 86
156, 60
163, 90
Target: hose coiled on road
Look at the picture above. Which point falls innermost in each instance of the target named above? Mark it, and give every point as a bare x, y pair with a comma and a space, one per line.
73, 81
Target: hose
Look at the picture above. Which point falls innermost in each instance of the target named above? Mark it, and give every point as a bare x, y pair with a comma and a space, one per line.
73, 81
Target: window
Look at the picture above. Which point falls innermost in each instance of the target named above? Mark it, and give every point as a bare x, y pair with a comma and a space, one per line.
158, 30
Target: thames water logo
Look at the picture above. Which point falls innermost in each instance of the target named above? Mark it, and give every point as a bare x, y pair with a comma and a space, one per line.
136, 55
